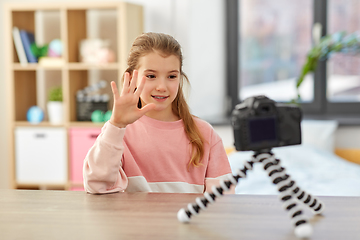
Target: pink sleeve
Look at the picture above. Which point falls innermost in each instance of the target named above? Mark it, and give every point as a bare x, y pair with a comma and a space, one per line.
102, 170
218, 167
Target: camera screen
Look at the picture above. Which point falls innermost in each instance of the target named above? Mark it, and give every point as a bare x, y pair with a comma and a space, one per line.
262, 129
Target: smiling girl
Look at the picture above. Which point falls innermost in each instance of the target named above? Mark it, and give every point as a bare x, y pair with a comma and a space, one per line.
152, 143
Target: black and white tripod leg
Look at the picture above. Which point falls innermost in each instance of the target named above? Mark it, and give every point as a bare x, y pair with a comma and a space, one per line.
284, 182
271, 165
302, 228
316, 206
184, 215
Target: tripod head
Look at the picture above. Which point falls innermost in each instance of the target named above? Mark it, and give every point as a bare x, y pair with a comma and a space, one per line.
266, 150
261, 123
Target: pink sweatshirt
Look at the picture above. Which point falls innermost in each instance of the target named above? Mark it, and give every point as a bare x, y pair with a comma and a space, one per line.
153, 156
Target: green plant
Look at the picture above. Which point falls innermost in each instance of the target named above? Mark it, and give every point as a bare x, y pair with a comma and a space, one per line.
327, 46
55, 94
39, 51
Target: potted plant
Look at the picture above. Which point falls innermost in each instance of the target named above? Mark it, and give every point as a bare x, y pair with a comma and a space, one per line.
55, 106
324, 48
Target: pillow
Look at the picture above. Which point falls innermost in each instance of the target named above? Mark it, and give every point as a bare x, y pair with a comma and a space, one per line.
319, 133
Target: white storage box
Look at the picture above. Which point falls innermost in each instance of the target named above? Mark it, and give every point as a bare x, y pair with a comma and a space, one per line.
41, 155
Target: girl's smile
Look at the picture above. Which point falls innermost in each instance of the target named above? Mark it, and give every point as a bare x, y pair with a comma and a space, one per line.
160, 98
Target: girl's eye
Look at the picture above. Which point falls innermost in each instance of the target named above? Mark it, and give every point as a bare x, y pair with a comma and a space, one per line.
173, 76
150, 76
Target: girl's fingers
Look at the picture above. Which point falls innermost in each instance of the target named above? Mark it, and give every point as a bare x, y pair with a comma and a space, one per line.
114, 89
140, 87
133, 80
147, 108
126, 84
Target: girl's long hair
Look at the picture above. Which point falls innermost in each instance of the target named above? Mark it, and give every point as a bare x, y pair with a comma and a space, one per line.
167, 45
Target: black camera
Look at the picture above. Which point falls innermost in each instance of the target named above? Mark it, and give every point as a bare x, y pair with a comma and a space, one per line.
260, 123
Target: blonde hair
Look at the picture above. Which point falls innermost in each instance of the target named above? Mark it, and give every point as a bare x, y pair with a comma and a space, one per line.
167, 45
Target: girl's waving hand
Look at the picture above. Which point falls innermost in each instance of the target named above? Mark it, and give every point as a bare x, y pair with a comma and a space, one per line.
125, 110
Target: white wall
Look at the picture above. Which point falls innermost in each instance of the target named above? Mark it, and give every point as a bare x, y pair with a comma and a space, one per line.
199, 27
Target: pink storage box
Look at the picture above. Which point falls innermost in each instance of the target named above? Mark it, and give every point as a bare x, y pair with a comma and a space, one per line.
81, 140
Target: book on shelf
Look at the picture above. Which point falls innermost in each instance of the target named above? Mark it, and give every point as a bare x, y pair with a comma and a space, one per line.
27, 38
19, 46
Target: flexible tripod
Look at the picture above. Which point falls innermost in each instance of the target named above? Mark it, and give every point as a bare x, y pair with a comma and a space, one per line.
290, 193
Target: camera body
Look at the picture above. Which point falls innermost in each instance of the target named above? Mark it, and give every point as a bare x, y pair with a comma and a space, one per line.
260, 123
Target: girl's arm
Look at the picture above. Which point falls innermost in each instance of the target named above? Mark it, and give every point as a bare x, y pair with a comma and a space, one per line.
102, 170
218, 167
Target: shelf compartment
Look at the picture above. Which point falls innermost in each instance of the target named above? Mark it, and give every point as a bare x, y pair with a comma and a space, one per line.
76, 32
25, 93
23, 20
31, 89
47, 26
94, 23
46, 80
80, 79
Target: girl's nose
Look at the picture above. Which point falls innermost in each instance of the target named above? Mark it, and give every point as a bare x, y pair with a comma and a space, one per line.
161, 86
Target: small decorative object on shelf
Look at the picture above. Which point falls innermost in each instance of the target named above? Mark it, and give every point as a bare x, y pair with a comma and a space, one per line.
107, 115
50, 55
39, 51
99, 116
55, 48
89, 101
55, 106
96, 51
324, 48
35, 115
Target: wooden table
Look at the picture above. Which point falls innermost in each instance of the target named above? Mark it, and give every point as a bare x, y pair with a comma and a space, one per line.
29, 214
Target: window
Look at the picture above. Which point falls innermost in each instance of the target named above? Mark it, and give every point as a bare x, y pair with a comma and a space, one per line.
343, 82
272, 39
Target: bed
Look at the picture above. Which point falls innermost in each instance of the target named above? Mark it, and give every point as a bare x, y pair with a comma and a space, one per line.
313, 165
